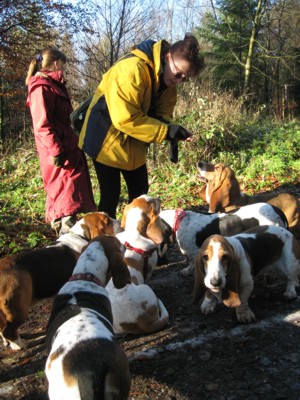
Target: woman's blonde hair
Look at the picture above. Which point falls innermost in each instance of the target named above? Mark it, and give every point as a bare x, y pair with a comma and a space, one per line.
44, 60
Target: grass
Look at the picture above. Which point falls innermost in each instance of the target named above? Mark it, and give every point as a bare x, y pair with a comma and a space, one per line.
266, 158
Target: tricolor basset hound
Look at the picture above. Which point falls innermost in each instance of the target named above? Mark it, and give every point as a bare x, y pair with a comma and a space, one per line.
85, 361
29, 276
225, 266
192, 228
136, 309
222, 192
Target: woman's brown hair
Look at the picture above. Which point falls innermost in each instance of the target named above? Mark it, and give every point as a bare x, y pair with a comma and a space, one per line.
44, 60
189, 50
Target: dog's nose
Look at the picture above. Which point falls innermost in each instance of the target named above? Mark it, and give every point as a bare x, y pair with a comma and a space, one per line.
216, 282
200, 164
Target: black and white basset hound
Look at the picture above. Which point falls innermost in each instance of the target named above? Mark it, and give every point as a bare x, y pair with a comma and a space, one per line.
85, 361
192, 228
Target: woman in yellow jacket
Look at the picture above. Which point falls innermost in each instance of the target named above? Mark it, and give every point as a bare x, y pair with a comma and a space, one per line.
132, 107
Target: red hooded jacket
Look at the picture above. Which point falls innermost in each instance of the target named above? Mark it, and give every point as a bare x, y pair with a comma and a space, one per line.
68, 188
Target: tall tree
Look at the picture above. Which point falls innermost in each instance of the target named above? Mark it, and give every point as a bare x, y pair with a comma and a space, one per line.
256, 25
119, 24
232, 29
25, 27
280, 57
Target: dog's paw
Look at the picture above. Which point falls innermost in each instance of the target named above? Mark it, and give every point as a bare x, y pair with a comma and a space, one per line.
18, 344
290, 293
187, 271
5, 342
245, 315
208, 307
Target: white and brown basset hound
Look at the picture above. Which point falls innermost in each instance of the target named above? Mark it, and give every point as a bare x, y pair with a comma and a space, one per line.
225, 266
222, 192
85, 361
142, 235
136, 309
192, 228
29, 276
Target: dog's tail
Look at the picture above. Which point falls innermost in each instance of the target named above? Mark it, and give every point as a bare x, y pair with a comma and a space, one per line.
282, 216
101, 369
159, 321
86, 387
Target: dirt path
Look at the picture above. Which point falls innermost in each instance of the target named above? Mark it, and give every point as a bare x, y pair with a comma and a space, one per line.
195, 357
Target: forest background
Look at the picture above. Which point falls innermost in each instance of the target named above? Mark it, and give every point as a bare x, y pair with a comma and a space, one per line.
243, 109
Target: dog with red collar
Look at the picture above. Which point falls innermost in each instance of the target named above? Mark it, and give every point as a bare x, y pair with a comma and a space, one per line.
85, 361
136, 309
142, 235
29, 276
191, 228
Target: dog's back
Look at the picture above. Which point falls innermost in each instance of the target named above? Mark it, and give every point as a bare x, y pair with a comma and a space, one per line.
85, 362
222, 192
49, 268
27, 277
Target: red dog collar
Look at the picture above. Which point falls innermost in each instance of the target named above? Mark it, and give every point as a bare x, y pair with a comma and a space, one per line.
179, 215
145, 253
86, 277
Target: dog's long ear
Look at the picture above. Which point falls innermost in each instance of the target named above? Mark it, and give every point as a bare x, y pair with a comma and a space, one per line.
199, 286
154, 229
230, 294
219, 196
119, 271
124, 215
95, 224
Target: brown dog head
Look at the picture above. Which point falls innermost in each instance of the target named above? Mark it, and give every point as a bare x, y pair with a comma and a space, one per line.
142, 214
222, 186
98, 223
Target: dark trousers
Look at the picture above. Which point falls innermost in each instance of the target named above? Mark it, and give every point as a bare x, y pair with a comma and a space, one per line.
109, 179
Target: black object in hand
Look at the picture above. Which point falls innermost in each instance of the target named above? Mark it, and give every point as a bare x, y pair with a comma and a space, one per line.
177, 132
173, 151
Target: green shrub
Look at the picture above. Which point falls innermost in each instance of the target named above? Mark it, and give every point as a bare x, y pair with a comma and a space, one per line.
261, 152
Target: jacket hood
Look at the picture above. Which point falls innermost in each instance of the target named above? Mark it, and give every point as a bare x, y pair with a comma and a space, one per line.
146, 47
55, 80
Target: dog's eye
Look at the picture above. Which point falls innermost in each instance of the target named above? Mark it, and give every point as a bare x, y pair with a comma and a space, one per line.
205, 257
224, 257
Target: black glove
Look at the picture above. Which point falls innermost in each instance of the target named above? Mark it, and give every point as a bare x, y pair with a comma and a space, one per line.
173, 151
59, 160
177, 132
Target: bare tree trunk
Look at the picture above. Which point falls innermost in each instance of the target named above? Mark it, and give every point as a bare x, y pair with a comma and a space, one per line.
1, 114
260, 10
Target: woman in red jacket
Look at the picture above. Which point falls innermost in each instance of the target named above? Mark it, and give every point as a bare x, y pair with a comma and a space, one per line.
63, 165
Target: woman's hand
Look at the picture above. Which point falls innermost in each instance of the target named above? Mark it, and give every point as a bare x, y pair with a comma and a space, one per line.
59, 160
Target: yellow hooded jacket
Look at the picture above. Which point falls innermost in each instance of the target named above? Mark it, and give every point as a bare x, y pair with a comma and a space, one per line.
117, 127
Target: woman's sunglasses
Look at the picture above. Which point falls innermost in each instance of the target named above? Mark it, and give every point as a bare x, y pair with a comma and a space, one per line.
178, 74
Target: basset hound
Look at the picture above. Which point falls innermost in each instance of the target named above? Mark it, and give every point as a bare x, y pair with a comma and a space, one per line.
222, 192
225, 266
143, 233
85, 361
192, 228
136, 309
29, 276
